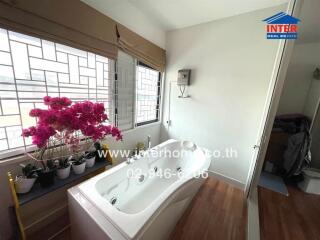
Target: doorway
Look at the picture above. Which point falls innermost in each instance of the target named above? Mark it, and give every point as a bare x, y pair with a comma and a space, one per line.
289, 186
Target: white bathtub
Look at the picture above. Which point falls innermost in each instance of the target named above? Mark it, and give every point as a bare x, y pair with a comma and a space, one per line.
136, 201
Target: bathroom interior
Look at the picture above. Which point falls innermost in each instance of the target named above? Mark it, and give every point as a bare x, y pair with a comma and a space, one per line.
142, 119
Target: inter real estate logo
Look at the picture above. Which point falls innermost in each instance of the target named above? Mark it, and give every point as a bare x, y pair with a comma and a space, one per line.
282, 26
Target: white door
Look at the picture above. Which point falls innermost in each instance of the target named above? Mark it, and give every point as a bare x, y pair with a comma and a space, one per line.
275, 88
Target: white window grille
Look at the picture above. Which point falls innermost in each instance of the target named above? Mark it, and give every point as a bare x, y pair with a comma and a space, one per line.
147, 95
31, 68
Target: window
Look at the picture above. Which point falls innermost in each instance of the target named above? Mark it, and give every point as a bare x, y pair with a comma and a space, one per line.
147, 94
31, 68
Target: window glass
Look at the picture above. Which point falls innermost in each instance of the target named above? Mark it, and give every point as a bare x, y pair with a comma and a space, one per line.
147, 95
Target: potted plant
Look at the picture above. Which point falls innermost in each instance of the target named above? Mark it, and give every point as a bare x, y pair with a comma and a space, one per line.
23, 183
103, 153
47, 174
99, 152
63, 170
90, 158
67, 123
78, 165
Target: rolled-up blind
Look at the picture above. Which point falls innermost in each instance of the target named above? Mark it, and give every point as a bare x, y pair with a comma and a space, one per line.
141, 48
66, 21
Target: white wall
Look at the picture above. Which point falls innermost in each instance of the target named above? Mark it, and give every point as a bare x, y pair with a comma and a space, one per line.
310, 54
301, 92
231, 63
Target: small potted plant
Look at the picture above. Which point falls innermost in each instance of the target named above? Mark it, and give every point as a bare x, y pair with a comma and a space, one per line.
77, 159
78, 165
90, 158
99, 152
63, 170
47, 174
23, 183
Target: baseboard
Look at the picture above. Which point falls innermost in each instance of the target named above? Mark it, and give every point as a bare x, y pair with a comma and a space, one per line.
227, 179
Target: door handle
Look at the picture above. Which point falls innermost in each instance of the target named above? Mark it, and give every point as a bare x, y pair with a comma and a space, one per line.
256, 146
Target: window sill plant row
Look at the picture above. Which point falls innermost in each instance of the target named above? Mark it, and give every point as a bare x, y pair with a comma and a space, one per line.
58, 134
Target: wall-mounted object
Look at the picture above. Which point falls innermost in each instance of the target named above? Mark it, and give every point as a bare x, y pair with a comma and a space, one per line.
183, 81
184, 77
316, 74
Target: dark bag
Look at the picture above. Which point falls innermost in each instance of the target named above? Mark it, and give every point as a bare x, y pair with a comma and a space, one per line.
297, 155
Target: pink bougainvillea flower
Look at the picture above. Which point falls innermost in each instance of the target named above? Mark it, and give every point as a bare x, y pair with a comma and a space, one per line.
48, 117
28, 131
63, 119
47, 100
36, 112
57, 102
89, 130
40, 134
115, 132
98, 108
87, 107
106, 129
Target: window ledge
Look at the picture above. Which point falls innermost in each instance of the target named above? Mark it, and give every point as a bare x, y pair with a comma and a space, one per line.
37, 191
144, 126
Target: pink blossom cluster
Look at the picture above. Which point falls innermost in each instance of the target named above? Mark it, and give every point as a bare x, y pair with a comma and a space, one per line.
65, 118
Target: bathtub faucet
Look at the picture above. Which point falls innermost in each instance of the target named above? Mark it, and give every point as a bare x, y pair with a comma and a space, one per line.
149, 142
133, 158
130, 160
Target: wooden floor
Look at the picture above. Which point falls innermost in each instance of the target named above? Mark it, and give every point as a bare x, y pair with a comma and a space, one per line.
218, 212
296, 217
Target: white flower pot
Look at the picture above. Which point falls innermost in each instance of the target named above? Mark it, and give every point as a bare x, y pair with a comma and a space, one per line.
78, 169
23, 185
63, 173
90, 162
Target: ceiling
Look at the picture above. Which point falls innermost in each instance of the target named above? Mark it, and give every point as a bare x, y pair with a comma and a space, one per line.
175, 14
309, 27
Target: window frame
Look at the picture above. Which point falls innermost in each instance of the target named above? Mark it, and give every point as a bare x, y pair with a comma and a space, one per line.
158, 106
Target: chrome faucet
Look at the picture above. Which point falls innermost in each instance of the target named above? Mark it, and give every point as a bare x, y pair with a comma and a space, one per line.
133, 158
149, 142
129, 160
